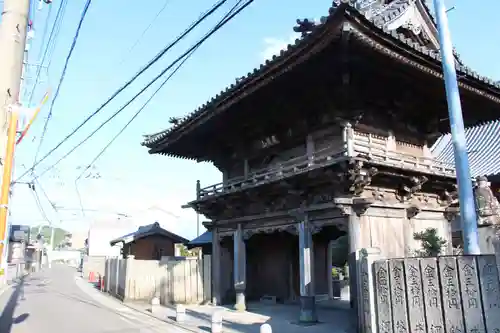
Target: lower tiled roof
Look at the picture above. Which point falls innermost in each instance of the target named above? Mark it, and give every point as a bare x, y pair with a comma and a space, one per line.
483, 147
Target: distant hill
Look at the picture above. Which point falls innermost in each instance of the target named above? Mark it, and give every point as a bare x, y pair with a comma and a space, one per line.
59, 234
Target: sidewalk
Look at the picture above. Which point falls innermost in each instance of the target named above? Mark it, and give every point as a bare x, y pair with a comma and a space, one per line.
12, 277
199, 318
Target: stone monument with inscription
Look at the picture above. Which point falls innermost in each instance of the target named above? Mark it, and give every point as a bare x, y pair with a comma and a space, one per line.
488, 214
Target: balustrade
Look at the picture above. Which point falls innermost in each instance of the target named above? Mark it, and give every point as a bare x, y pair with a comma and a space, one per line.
377, 149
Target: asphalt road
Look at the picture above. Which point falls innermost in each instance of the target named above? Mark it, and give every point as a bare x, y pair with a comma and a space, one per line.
53, 301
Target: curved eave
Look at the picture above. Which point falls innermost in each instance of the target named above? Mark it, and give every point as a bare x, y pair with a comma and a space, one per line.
429, 61
240, 85
164, 153
426, 60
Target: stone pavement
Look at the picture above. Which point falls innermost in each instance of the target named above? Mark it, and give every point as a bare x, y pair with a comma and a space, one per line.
282, 318
50, 301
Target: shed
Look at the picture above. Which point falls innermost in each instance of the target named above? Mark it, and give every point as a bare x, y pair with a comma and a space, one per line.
149, 242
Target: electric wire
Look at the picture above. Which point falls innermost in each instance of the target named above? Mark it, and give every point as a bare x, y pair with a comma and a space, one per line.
138, 40
58, 17
103, 150
124, 86
39, 185
63, 75
44, 35
220, 25
55, 39
39, 204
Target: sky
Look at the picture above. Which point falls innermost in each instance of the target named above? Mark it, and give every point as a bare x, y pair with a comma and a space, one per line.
132, 182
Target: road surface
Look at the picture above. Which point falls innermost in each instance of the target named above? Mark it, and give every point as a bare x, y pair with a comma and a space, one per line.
53, 301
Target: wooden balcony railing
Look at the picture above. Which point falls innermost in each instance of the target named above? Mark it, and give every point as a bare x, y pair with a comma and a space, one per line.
355, 145
381, 155
294, 166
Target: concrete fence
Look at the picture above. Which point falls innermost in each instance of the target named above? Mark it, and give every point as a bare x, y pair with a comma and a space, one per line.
453, 294
171, 279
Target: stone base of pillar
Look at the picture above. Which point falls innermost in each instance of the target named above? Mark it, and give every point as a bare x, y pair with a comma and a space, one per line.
308, 313
240, 304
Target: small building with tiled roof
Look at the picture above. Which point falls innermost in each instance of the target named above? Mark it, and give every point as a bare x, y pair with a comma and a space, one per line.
329, 138
149, 242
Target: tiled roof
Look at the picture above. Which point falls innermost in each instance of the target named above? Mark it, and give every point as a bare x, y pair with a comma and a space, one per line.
377, 17
148, 230
483, 147
204, 238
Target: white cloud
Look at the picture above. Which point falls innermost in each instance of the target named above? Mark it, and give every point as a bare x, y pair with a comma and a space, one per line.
275, 45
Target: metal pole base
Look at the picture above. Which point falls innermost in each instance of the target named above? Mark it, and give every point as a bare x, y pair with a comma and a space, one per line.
308, 313
240, 301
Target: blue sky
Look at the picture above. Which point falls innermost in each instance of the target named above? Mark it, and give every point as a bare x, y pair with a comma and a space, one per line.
132, 180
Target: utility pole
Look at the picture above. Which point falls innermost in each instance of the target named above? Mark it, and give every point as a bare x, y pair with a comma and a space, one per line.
464, 180
12, 43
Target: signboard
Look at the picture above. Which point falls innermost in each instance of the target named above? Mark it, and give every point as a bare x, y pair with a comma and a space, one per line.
19, 233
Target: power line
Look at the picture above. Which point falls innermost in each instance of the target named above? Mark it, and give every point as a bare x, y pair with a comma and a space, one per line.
44, 35
137, 41
103, 150
39, 185
133, 117
55, 39
63, 75
220, 25
38, 203
123, 87
59, 15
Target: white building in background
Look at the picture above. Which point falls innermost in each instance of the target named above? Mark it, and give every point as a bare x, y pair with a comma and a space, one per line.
102, 231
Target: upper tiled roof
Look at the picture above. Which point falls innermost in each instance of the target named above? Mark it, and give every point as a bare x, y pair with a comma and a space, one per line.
483, 147
377, 14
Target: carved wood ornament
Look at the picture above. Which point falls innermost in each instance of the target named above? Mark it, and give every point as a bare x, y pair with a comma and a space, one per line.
448, 198
407, 192
359, 177
412, 211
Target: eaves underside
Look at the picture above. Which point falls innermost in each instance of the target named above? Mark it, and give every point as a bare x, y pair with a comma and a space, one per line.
390, 43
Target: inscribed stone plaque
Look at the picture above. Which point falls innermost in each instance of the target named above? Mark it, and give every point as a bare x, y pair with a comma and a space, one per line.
367, 287
432, 298
416, 314
365, 295
450, 293
490, 291
382, 296
471, 297
398, 295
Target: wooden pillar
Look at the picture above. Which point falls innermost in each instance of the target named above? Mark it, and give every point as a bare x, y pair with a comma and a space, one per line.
225, 178
329, 267
239, 269
354, 232
246, 168
216, 253
306, 257
348, 138
310, 149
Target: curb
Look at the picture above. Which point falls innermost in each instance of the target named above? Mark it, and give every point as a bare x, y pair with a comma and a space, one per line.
120, 303
166, 320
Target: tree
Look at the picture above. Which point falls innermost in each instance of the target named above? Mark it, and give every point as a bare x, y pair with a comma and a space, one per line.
431, 243
184, 252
